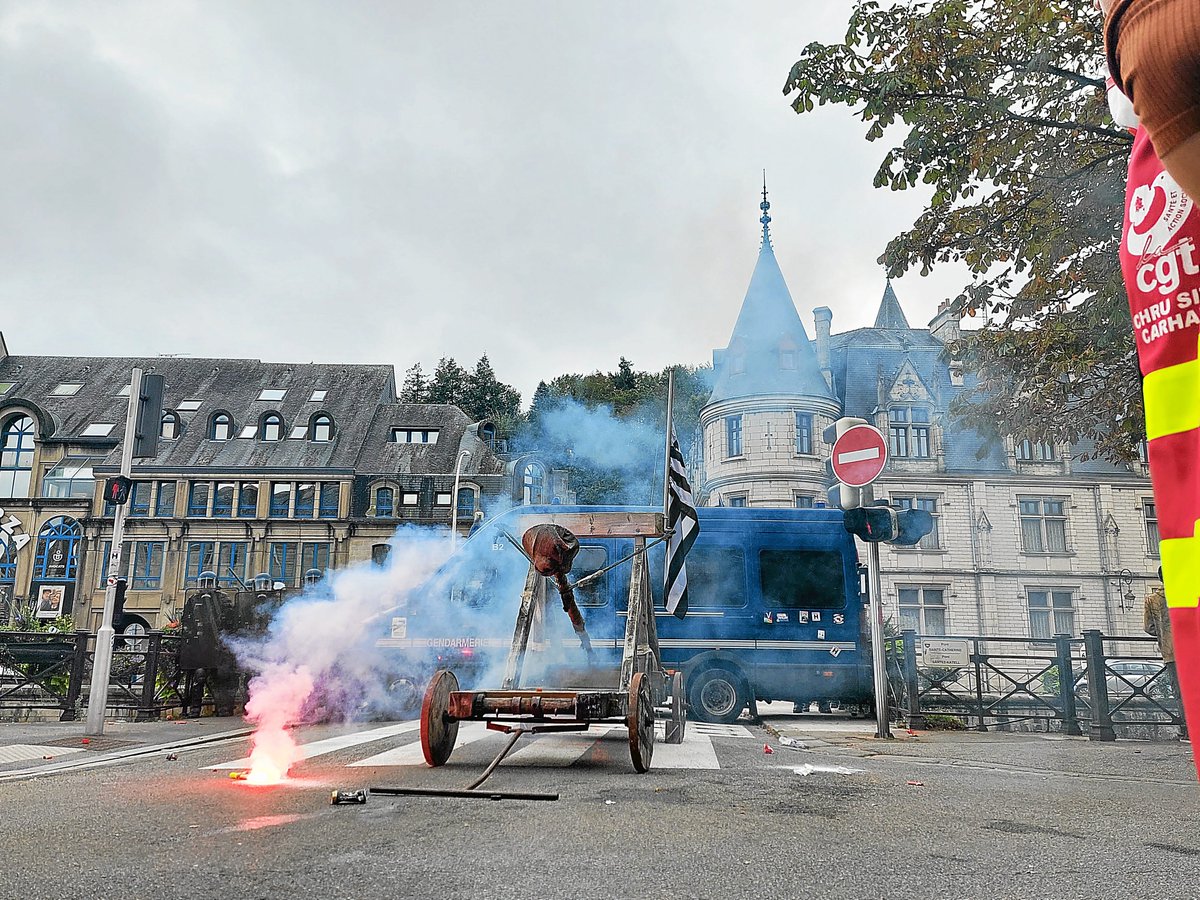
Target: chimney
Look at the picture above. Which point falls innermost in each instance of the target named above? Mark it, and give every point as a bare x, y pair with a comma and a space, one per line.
823, 317
3, 348
944, 326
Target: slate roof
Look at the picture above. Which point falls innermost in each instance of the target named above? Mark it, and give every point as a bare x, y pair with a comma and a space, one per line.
890, 314
380, 455
767, 326
860, 358
353, 394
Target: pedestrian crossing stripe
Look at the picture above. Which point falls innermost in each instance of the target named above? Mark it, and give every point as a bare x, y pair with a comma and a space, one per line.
559, 749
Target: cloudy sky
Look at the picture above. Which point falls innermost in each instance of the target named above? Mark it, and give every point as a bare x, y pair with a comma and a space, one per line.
554, 184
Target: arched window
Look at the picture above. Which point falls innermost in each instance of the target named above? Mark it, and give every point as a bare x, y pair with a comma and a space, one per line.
170, 427
321, 428
16, 457
57, 550
466, 504
272, 427
488, 433
221, 427
385, 503
533, 483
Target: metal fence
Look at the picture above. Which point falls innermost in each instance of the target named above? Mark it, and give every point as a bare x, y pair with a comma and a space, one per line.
1108, 686
41, 672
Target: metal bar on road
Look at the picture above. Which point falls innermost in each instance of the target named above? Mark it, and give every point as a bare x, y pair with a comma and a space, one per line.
474, 795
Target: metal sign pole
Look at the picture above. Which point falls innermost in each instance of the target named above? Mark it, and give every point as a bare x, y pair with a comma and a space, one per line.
878, 657
102, 662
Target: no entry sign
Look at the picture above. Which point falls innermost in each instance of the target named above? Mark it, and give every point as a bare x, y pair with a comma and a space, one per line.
859, 455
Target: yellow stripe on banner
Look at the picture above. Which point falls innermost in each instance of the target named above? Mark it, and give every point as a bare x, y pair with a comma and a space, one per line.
1181, 570
1172, 399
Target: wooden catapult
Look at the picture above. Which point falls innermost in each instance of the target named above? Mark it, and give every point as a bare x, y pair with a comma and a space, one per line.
550, 542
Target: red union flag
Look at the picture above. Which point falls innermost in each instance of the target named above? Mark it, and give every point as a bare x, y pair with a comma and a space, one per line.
859, 455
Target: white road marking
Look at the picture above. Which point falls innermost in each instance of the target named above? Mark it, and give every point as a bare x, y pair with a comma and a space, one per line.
21, 752
858, 455
696, 752
724, 731
411, 755
558, 749
341, 742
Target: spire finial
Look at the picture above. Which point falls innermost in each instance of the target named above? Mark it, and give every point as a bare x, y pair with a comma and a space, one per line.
765, 206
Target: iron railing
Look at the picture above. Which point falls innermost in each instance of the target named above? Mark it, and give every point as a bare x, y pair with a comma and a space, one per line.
1064, 684
40, 671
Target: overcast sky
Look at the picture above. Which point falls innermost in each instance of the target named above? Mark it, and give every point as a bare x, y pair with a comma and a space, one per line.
554, 184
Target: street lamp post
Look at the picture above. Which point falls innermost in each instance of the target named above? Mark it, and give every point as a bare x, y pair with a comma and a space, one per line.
454, 498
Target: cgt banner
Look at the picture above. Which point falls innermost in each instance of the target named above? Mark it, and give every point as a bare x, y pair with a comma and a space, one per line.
1161, 266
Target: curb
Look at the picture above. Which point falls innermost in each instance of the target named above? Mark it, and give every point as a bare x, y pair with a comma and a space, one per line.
131, 753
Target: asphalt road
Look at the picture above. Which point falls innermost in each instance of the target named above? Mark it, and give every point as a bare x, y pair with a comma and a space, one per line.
993, 816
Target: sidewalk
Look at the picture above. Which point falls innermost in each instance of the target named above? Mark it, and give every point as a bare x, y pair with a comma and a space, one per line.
51, 744
1021, 754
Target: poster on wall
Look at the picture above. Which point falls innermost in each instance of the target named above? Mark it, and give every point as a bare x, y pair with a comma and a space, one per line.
50, 601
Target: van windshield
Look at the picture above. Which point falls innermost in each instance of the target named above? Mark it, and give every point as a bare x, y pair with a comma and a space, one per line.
802, 579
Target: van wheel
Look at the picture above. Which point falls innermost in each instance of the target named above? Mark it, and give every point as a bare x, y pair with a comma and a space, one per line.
717, 696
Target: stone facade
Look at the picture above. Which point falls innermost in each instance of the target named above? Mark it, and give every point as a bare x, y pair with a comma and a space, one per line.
276, 469
1031, 539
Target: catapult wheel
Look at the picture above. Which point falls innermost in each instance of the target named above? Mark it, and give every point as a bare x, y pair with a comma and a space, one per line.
676, 724
640, 719
438, 730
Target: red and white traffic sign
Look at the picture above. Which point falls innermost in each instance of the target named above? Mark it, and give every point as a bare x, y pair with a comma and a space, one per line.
859, 455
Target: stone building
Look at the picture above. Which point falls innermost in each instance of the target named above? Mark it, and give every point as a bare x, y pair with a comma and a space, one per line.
1030, 538
278, 469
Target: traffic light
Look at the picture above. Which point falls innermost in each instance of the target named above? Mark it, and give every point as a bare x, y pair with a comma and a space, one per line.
911, 526
116, 490
873, 524
149, 416
841, 495
882, 524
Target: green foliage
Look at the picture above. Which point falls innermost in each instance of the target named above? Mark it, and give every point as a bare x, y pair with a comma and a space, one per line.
937, 722
478, 393
637, 403
1001, 114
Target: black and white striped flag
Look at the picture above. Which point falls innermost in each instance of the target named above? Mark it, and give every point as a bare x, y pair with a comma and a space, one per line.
681, 518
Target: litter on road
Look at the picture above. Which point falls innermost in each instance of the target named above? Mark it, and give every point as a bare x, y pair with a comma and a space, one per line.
810, 769
792, 743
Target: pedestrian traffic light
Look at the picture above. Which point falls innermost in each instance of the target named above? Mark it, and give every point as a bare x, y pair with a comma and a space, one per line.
116, 490
911, 526
873, 524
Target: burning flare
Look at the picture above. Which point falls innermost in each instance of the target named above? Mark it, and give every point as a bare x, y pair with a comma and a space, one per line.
276, 699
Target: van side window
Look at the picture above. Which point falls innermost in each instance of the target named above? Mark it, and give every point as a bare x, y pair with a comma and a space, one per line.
716, 578
587, 561
801, 579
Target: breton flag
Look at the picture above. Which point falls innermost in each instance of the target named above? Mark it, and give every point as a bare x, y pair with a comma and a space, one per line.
681, 518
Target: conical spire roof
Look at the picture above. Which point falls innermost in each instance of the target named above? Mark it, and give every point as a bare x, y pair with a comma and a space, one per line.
890, 314
769, 351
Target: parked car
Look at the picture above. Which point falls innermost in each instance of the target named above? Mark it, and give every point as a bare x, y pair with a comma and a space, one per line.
1124, 675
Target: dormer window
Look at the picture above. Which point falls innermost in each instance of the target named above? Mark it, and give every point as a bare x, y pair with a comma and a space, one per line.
321, 428
909, 431
1035, 451
221, 427
169, 428
737, 364
414, 435
272, 427
787, 359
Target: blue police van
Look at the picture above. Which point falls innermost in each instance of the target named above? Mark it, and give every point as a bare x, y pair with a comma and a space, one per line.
774, 609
